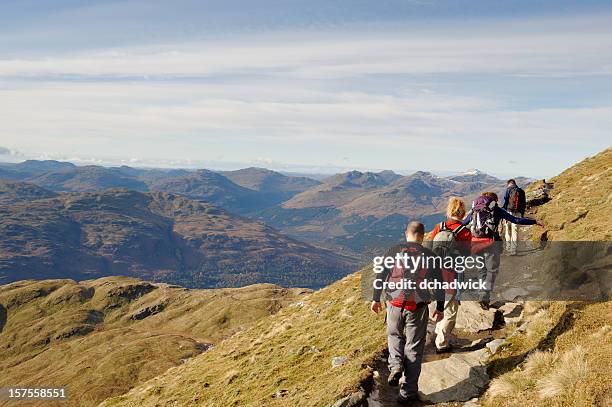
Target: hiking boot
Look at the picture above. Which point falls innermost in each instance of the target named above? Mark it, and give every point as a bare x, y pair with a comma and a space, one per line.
484, 304
401, 399
394, 377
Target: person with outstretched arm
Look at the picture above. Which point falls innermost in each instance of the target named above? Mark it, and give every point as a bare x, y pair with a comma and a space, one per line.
407, 310
484, 219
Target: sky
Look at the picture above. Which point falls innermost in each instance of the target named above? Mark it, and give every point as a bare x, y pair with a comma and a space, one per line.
512, 87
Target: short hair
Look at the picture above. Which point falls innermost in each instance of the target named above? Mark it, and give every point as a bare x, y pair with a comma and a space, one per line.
415, 228
511, 181
491, 195
455, 208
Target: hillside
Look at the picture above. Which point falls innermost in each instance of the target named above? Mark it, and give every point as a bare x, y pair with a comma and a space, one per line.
88, 178
286, 359
280, 361
211, 187
242, 191
15, 192
155, 236
577, 211
102, 337
274, 183
339, 189
581, 197
31, 168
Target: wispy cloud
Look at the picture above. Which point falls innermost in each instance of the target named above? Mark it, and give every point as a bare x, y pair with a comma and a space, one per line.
548, 51
313, 98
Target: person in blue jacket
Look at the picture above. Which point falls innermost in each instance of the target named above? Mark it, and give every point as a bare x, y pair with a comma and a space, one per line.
484, 220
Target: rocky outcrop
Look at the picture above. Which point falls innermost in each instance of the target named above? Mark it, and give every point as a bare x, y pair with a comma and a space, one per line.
460, 377
356, 399
539, 195
472, 318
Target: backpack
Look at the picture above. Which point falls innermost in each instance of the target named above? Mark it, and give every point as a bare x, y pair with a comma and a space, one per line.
445, 245
445, 242
399, 273
483, 219
516, 196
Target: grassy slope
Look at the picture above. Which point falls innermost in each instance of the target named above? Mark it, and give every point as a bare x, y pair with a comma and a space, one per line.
568, 335
581, 201
82, 335
291, 352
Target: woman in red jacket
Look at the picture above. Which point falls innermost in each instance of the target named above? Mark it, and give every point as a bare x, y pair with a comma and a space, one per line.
455, 212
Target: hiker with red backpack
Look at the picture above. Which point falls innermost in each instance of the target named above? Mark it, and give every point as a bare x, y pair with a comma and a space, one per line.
484, 219
514, 203
450, 238
407, 311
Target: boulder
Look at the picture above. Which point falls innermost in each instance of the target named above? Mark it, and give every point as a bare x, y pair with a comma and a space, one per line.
338, 361
513, 293
512, 312
472, 318
460, 377
356, 399
539, 195
494, 345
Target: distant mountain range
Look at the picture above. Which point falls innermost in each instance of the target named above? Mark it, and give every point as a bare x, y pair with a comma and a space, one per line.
159, 236
54, 211
242, 192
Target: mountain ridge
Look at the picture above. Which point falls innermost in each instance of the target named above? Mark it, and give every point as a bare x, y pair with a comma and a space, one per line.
157, 236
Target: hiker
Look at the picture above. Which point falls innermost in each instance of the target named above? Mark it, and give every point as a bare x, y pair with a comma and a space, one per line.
514, 203
484, 218
450, 238
407, 312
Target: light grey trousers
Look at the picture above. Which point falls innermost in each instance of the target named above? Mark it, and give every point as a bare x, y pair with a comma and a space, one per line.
406, 332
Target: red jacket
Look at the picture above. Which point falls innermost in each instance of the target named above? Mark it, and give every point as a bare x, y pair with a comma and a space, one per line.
464, 236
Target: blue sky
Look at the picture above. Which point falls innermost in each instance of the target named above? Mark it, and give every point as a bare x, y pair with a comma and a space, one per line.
512, 87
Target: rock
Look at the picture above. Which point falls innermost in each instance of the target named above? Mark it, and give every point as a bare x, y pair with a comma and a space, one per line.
472, 318
280, 393
471, 403
539, 195
475, 344
513, 293
508, 307
148, 311
460, 377
357, 399
338, 361
512, 312
494, 345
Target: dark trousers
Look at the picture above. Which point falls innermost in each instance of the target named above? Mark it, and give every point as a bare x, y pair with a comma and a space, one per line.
406, 332
488, 273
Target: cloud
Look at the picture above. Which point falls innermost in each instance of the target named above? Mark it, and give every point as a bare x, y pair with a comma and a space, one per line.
529, 48
314, 98
4, 151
